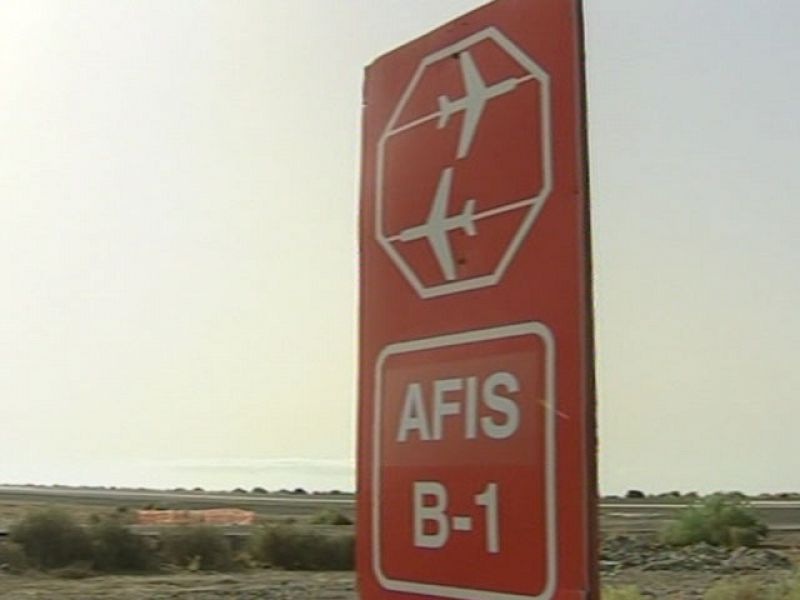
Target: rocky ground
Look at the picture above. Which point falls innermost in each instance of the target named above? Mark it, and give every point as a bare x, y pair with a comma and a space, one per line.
657, 570
624, 552
660, 571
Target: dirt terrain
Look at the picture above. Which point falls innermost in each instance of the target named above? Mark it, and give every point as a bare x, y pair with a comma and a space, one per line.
658, 573
277, 585
286, 585
630, 555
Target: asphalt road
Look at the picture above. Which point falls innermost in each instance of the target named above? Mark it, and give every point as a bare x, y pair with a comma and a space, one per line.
636, 515
155, 495
648, 516
278, 505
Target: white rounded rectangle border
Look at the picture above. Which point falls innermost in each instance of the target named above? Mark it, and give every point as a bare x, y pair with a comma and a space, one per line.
531, 328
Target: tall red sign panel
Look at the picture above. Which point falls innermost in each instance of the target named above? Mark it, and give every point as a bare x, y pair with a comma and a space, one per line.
476, 418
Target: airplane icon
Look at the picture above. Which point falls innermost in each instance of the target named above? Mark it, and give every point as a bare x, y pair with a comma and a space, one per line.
472, 102
438, 224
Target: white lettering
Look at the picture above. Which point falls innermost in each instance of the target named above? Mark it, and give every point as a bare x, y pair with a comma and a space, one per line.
413, 417
425, 415
501, 404
471, 412
430, 513
441, 408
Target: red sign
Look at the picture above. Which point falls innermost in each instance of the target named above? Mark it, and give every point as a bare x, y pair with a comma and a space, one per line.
476, 422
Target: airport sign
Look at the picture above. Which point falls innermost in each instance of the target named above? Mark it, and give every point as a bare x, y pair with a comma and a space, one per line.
476, 457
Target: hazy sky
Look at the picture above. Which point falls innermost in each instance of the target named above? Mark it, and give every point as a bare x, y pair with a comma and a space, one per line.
179, 187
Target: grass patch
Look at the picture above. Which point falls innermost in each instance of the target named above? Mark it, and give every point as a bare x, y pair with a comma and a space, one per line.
749, 588
735, 590
622, 592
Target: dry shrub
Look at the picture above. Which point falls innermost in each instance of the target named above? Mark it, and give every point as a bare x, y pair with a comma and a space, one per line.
12, 557
295, 548
51, 539
116, 549
78, 570
200, 547
331, 517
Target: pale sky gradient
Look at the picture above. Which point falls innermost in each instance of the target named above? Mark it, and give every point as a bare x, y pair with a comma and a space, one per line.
179, 187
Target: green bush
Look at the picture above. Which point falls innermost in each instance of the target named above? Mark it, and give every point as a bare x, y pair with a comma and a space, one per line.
622, 592
200, 546
331, 517
720, 520
115, 548
299, 549
12, 556
51, 539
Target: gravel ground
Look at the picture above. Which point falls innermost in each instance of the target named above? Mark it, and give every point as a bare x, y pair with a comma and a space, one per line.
272, 585
280, 585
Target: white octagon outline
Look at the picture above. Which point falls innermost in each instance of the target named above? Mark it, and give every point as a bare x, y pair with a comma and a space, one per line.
536, 202
529, 328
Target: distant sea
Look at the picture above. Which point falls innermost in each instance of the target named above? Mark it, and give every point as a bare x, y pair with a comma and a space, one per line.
209, 474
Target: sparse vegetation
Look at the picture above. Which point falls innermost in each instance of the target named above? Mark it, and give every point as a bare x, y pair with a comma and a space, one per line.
77, 570
50, 539
622, 592
331, 517
788, 589
116, 549
198, 547
720, 520
295, 548
744, 589
737, 588
750, 589
13, 557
